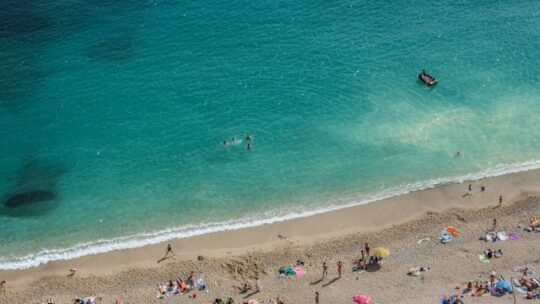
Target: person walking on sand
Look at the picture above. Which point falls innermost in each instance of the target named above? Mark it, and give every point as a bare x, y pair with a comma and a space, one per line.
366, 248
469, 191
169, 250
316, 297
500, 200
339, 268
363, 254
324, 270
494, 224
258, 287
3, 287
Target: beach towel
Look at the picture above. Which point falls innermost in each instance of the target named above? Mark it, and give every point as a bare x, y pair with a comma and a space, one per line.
161, 295
452, 230
423, 240
201, 284
445, 237
491, 237
290, 271
452, 300
513, 236
504, 285
501, 236
483, 258
531, 271
89, 300
415, 271
299, 271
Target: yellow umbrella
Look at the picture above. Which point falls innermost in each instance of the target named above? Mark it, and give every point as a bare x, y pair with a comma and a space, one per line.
381, 252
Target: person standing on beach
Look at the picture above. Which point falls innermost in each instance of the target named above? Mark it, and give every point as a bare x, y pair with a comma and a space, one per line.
3, 287
363, 254
316, 297
500, 200
169, 250
469, 191
366, 248
339, 268
258, 287
324, 270
494, 224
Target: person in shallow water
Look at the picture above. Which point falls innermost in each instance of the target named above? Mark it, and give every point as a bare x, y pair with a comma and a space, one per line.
248, 137
249, 146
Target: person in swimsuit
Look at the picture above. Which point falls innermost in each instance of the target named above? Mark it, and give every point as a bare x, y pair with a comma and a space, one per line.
366, 248
169, 250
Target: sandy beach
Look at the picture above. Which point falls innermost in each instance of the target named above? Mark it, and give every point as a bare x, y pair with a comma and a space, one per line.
232, 258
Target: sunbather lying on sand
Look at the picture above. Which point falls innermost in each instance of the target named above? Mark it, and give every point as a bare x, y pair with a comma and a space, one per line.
161, 289
359, 266
534, 222
529, 284
415, 271
456, 299
493, 253
478, 289
534, 225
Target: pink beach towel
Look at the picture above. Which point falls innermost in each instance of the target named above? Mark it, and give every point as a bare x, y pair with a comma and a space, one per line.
299, 271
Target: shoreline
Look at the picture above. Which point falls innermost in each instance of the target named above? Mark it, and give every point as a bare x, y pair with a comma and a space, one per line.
159, 237
300, 231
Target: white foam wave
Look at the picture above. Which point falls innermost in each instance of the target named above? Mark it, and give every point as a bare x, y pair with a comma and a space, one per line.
140, 240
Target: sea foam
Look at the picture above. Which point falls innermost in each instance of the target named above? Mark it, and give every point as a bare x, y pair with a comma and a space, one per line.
135, 241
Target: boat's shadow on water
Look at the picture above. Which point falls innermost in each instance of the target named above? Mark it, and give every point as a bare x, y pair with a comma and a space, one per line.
33, 192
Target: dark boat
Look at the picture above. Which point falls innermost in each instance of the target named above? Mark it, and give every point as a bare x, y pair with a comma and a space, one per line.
427, 79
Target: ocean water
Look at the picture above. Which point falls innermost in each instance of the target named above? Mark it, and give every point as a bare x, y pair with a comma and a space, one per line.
112, 112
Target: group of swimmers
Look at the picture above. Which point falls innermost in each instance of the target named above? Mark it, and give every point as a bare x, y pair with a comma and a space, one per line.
235, 141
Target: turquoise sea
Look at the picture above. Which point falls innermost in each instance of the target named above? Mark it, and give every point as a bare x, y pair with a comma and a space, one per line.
112, 112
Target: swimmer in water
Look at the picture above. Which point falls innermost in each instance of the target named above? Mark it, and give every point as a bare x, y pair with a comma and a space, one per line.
233, 141
248, 137
249, 146
224, 143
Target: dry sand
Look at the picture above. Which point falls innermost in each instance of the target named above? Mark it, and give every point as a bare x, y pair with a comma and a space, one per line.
236, 257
